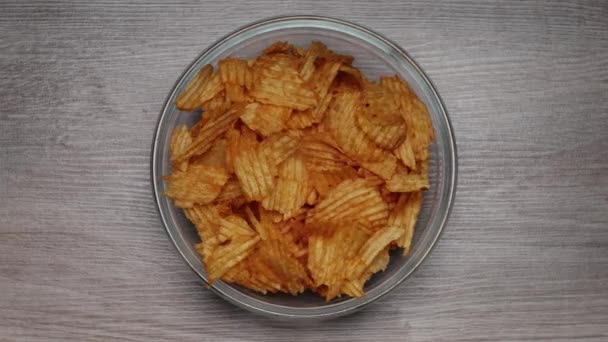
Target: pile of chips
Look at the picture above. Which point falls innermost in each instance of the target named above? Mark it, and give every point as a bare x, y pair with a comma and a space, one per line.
301, 174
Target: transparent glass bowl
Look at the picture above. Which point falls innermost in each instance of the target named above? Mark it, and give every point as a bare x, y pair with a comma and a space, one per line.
375, 56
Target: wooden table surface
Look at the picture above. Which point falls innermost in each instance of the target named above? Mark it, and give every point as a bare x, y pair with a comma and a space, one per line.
83, 256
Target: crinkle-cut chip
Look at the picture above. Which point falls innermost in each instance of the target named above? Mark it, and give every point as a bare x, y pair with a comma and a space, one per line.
318, 50
281, 92
180, 141
370, 177
404, 181
277, 66
291, 190
378, 100
200, 184
420, 129
217, 105
396, 85
380, 240
236, 71
189, 98
278, 147
351, 201
324, 182
265, 119
206, 219
302, 119
354, 288
226, 256
236, 93
233, 138
234, 225
321, 156
310, 57
404, 216
329, 256
350, 76
213, 87
405, 153
231, 194
388, 136
323, 77
209, 133
340, 120
384, 168
215, 156
256, 172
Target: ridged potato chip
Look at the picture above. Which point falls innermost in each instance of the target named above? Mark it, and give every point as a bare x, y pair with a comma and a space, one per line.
256, 172
404, 181
265, 119
404, 216
340, 119
291, 190
351, 201
213, 129
189, 99
180, 141
301, 174
200, 184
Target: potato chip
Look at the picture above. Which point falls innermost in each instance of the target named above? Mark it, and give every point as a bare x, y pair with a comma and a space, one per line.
405, 153
351, 201
371, 249
255, 171
278, 147
329, 256
231, 194
215, 156
277, 82
301, 173
340, 119
189, 98
213, 129
265, 119
404, 216
291, 190
226, 256
180, 141
236, 71
404, 181
200, 184
354, 287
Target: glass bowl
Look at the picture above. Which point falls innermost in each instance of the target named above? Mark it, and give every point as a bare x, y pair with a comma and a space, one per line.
375, 56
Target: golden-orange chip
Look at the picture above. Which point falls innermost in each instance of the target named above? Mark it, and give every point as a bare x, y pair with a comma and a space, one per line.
301, 173
265, 119
351, 201
200, 184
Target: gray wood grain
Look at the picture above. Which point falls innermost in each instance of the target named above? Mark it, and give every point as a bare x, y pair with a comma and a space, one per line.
83, 256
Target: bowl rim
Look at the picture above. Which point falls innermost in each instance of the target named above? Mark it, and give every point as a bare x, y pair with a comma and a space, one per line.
451, 149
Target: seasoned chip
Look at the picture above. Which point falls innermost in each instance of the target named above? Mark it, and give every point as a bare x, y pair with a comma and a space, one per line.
209, 132
265, 119
291, 190
226, 256
255, 171
280, 146
231, 194
404, 181
320, 156
200, 184
329, 256
180, 141
189, 98
301, 173
405, 153
404, 216
341, 123
371, 249
350, 201
236, 71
